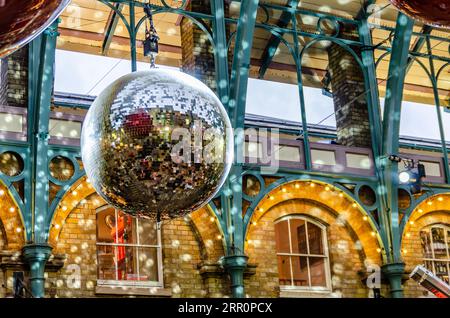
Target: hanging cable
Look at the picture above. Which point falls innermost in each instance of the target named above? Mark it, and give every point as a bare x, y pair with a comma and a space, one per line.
151, 37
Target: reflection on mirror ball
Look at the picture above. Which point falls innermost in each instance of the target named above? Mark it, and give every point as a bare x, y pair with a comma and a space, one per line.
157, 144
22, 20
432, 12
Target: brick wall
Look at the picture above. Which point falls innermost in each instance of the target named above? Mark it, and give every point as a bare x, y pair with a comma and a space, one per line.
197, 51
14, 79
347, 83
184, 251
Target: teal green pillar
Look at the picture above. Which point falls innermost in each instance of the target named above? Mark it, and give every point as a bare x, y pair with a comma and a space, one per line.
36, 256
235, 260
394, 273
390, 146
41, 78
235, 266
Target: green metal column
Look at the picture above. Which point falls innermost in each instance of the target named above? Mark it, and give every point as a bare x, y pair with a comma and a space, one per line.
133, 36
235, 262
36, 256
42, 55
373, 104
303, 118
220, 52
390, 146
438, 112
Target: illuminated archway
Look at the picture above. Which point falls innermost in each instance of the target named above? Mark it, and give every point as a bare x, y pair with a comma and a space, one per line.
11, 219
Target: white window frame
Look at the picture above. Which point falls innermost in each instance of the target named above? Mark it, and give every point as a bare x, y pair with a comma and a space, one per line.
326, 256
130, 283
433, 259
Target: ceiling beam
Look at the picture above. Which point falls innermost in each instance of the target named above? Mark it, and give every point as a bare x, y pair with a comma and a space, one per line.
274, 41
418, 45
93, 36
110, 28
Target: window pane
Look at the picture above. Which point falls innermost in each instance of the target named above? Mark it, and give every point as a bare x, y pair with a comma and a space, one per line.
426, 243
317, 270
300, 271
441, 271
284, 270
148, 264
298, 235
282, 237
106, 223
439, 244
315, 239
147, 232
106, 264
126, 263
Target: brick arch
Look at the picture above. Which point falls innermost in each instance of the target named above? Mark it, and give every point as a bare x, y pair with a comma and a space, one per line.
321, 196
11, 223
205, 224
424, 215
80, 190
437, 202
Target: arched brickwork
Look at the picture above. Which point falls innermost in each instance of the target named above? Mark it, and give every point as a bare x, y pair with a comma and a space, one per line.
435, 210
350, 239
187, 243
11, 221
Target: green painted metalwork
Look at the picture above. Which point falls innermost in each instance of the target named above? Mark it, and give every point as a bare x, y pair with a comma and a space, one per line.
390, 146
420, 42
220, 51
438, 112
36, 255
111, 28
298, 63
236, 111
44, 47
274, 41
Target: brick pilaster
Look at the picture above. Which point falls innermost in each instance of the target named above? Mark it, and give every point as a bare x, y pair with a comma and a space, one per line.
347, 83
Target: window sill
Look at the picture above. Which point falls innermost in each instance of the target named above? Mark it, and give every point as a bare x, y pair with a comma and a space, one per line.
302, 293
133, 291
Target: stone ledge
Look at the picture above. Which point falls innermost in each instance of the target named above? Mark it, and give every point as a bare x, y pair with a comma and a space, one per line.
13, 260
307, 294
133, 291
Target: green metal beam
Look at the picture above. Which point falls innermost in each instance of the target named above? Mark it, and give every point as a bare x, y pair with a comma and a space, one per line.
220, 52
390, 146
438, 112
420, 42
274, 41
111, 25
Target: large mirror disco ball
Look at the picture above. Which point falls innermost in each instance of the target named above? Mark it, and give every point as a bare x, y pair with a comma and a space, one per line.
157, 144
432, 12
22, 20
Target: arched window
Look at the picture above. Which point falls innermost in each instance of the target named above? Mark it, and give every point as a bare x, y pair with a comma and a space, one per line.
302, 253
435, 241
128, 250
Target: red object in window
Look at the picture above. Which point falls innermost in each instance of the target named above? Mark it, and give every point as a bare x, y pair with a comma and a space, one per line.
121, 223
138, 124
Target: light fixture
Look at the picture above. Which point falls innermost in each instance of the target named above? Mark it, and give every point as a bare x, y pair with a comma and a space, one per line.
412, 175
2, 192
404, 177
